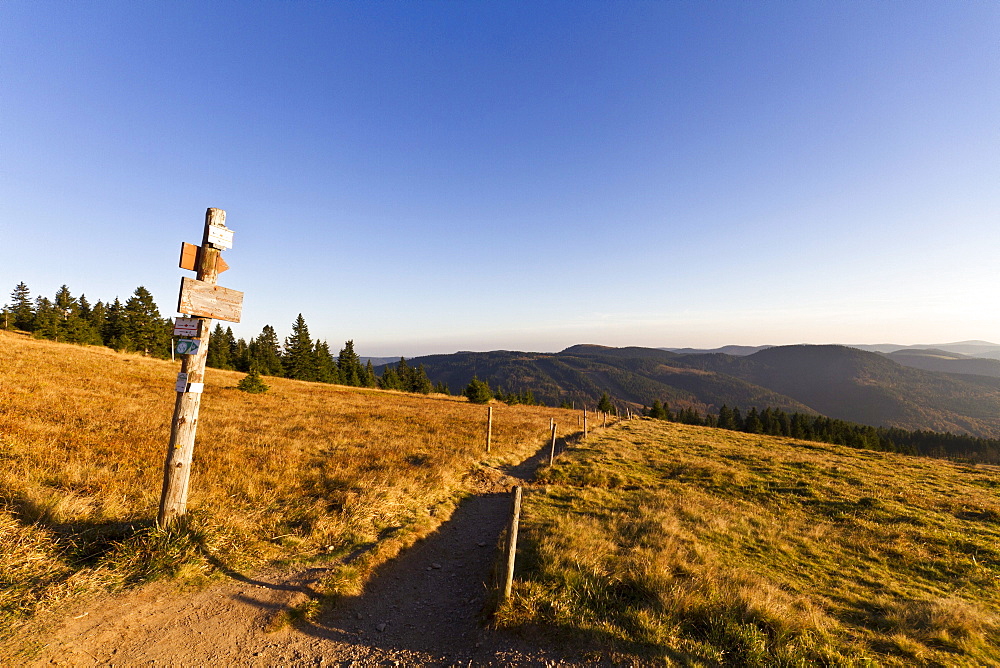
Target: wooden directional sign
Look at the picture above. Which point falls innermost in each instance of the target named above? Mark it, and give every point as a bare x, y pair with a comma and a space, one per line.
220, 237
205, 300
189, 259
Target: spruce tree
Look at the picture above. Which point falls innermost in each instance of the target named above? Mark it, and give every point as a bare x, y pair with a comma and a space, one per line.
726, 420
148, 332
349, 365
266, 352
419, 382
369, 380
114, 332
478, 391
252, 382
299, 359
389, 379
46, 320
752, 423
218, 349
326, 365
604, 405
21, 308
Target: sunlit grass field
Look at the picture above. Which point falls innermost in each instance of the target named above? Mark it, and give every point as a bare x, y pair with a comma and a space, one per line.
304, 471
694, 546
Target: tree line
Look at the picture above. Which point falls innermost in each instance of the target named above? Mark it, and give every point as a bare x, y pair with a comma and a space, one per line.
137, 326
776, 422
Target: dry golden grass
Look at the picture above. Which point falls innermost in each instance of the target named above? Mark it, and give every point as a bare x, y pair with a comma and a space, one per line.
708, 547
303, 470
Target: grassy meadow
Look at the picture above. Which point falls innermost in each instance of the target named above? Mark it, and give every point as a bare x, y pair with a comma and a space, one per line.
693, 546
304, 471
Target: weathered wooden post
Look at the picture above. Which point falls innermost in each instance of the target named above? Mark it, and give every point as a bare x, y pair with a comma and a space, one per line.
203, 300
515, 518
489, 428
552, 452
605, 420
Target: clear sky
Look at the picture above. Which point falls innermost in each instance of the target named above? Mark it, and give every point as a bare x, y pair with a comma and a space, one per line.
437, 176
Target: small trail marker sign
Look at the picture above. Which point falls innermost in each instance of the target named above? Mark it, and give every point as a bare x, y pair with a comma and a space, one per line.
186, 326
187, 346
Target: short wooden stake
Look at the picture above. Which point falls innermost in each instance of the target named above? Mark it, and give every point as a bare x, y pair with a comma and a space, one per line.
515, 518
605, 420
585, 426
552, 452
489, 428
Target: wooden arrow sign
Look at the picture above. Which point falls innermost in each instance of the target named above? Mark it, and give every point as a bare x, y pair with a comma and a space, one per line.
205, 300
189, 259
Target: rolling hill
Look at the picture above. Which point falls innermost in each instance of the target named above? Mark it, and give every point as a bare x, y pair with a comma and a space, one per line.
838, 381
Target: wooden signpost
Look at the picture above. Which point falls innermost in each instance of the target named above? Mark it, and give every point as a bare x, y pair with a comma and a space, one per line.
203, 300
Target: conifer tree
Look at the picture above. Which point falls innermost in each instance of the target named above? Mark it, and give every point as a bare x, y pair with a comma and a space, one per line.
369, 380
218, 349
726, 420
252, 382
389, 379
419, 382
299, 359
752, 423
604, 405
114, 332
46, 320
265, 352
148, 332
21, 308
478, 391
326, 365
349, 365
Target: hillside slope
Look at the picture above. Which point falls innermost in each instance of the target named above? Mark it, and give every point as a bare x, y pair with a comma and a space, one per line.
582, 373
695, 546
930, 359
307, 471
860, 386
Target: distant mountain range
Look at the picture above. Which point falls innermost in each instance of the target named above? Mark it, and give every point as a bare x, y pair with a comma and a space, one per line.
962, 348
910, 387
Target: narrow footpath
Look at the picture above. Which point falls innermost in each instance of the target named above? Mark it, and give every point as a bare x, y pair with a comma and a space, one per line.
424, 608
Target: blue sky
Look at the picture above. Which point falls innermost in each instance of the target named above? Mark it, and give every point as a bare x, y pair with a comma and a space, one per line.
437, 176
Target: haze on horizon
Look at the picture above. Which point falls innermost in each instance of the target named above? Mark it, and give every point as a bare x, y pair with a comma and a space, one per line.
433, 177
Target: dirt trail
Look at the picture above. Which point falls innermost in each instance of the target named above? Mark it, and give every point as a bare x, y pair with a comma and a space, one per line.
423, 608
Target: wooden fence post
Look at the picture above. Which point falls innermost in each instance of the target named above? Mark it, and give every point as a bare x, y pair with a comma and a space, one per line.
489, 428
191, 380
515, 518
552, 452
